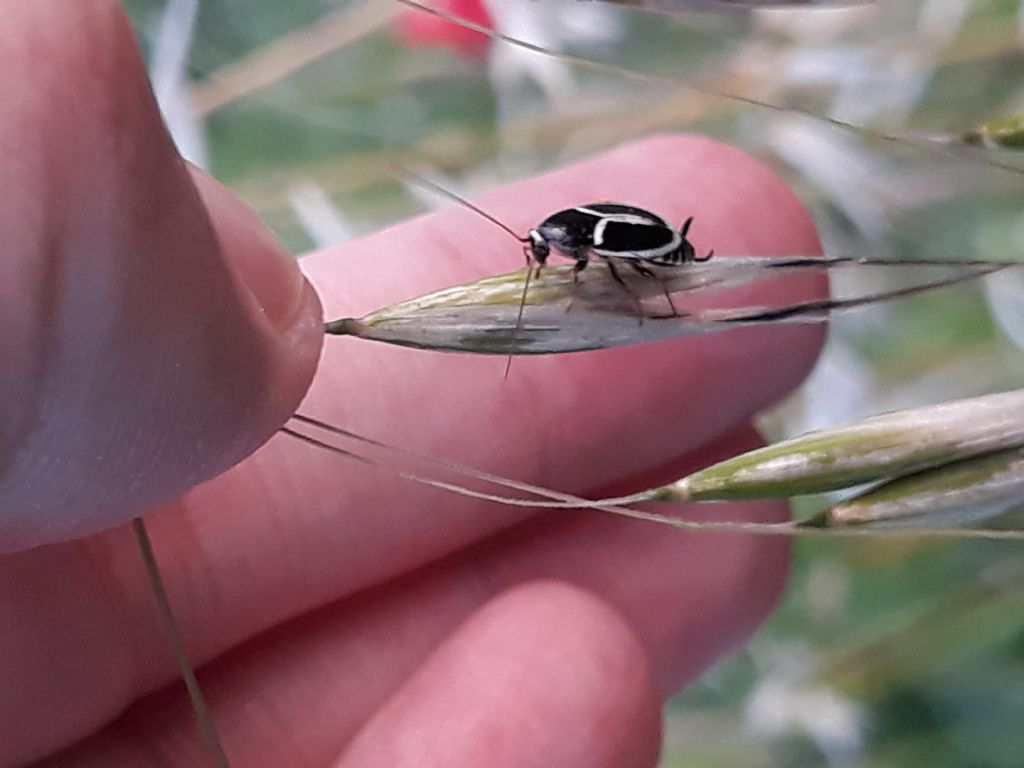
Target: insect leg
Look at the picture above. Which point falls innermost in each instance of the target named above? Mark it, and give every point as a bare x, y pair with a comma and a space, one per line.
637, 266
578, 267
636, 300
534, 273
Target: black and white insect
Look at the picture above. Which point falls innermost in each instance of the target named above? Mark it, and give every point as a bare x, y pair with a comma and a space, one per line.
614, 232
618, 234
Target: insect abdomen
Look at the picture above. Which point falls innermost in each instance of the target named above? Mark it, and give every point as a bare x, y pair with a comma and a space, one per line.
624, 239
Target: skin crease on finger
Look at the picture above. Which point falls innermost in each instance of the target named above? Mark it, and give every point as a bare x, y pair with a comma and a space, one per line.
291, 530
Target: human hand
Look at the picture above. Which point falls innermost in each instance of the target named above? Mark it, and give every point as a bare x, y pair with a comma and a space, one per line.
339, 615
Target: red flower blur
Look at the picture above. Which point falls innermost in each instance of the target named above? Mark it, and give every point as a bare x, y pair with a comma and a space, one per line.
415, 27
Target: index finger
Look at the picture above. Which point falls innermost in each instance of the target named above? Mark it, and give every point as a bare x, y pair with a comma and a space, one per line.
559, 404
572, 422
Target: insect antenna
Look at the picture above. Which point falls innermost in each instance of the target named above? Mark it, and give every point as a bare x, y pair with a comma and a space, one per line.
424, 181
519, 315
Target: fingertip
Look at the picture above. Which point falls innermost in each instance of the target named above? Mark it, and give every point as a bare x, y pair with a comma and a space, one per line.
544, 674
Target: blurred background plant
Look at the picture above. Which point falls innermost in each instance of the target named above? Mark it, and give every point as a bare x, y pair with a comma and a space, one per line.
887, 651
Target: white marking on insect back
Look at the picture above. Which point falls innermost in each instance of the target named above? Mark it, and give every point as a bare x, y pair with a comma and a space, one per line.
590, 211
623, 218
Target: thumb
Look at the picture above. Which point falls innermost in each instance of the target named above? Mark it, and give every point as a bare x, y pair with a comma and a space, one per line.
152, 333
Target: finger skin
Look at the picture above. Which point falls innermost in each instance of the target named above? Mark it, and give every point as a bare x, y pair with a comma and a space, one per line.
291, 531
299, 694
542, 675
138, 357
574, 422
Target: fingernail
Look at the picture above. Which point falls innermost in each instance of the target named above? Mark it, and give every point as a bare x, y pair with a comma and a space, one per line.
273, 277
258, 258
